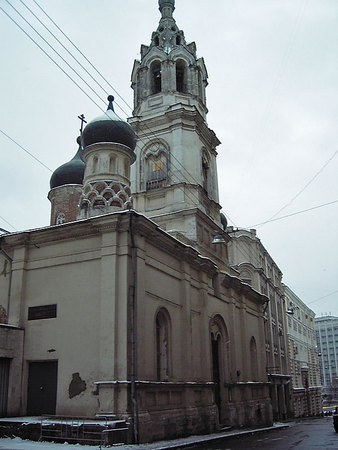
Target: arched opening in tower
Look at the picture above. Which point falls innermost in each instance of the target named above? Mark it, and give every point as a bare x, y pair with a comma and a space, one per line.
180, 76
156, 75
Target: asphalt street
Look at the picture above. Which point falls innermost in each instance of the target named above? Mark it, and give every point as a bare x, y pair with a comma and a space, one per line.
300, 435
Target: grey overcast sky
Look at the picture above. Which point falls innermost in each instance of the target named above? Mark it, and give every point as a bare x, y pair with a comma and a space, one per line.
272, 100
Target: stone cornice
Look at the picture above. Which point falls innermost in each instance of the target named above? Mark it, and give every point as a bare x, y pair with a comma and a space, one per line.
118, 222
235, 283
182, 112
70, 230
164, 241
186, 116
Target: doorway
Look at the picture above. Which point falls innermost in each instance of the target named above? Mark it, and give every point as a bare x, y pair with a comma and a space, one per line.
42, 384
4, 378
215, 348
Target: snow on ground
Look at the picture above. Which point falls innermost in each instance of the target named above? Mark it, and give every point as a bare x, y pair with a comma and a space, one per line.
20, 444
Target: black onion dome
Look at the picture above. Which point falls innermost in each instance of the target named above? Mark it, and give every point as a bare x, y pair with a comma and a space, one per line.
109, 128
70, 172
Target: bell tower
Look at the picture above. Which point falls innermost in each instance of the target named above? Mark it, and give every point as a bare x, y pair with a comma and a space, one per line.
174, 179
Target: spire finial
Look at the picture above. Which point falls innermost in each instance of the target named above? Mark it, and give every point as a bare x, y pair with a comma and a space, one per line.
168, 3
82, 118
110, 99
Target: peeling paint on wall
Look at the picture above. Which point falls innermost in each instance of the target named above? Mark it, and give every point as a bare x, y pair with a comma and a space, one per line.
77, 385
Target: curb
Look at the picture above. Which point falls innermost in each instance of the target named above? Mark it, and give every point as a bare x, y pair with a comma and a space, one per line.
201, 440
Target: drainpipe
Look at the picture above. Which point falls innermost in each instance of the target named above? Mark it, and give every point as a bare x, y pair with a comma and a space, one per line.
132, 329
9, 259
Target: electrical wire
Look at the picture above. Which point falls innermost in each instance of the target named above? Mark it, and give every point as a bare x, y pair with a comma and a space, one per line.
55, 51
53, 60
306, 185
82, 54
70, 53
2, 218
294, 214
278, 77
25, 150
321, 298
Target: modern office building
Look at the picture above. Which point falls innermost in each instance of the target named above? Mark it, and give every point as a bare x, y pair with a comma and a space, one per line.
327, 341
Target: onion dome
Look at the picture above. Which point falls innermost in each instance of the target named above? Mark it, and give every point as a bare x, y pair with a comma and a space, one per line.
70, 172
109, 128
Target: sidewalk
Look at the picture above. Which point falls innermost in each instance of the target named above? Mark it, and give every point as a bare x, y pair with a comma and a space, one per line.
19, 444
204, 439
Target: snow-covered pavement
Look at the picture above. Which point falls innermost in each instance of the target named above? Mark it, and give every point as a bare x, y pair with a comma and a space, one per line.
20, 444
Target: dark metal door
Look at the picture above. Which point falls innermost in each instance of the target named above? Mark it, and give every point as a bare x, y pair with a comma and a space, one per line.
42, 382
4, 377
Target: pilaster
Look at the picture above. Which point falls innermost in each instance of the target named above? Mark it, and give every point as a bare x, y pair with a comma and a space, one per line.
17, 295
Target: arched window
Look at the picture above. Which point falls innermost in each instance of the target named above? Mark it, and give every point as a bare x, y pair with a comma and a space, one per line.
95, 163
219, 358
112, 164
154, 166
126, 168
205, 170
156, 171
156, 74
181, 76
162, 345
253, 359
246, 276
60, 219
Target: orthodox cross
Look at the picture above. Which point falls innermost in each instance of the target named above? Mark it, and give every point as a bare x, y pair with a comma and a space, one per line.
82, 118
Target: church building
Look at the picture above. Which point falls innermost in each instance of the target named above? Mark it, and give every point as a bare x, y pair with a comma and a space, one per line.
126, 305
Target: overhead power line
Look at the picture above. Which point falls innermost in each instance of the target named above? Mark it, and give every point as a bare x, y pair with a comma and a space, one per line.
52, 48
82, 54
278, 79
293, 214
321, 298
2, 218
23, 148
71, 54
303, 188
52, 59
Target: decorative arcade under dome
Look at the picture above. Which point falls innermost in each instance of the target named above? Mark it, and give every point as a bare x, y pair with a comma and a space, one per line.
108, 144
